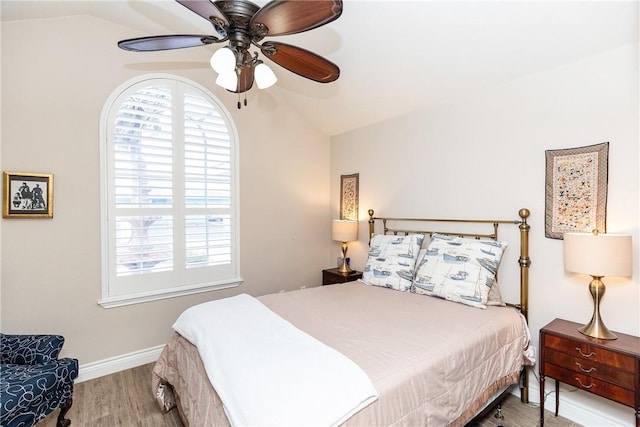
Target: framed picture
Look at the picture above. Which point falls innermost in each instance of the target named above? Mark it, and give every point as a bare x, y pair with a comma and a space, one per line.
27, 195
576, 190
349, 197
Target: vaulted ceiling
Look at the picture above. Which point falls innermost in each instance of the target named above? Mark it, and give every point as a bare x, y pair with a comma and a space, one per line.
397, 56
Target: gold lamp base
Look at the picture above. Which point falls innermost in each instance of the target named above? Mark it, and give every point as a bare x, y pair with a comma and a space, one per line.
344, 268
596, 327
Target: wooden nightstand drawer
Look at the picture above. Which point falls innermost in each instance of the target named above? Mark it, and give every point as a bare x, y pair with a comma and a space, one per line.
332, 276
588, 352
331, 279
588, 367
591, 384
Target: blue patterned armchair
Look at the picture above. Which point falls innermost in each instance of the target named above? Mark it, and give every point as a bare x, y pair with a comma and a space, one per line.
33, 381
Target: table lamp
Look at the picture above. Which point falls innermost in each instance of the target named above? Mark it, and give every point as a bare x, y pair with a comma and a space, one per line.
344, 231
598, 255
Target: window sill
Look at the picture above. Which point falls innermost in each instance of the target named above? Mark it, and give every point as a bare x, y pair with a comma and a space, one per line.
119, 301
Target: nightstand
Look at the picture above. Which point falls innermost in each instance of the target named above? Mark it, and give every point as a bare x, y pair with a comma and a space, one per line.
332, 276
608, 368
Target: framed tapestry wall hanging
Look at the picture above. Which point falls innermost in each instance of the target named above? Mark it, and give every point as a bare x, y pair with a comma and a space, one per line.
576, 190
349, 197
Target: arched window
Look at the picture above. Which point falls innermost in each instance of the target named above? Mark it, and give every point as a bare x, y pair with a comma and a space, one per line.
169, 192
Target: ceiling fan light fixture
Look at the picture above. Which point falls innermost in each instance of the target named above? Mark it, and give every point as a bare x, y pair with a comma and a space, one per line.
264, 76
242, 24
228, 80
223, 60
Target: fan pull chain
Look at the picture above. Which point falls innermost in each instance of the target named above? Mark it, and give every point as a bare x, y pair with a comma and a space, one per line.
245, 91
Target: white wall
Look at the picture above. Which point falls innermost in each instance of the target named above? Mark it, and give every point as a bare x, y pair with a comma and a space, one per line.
56, 76
483, 156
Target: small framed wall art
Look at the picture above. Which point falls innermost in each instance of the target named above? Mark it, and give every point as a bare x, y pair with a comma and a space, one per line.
27, 195
349, 197
576, 190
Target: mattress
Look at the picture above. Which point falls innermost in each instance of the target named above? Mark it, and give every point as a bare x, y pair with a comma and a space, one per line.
432, 361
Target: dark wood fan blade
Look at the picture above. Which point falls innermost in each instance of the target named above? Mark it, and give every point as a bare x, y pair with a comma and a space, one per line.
283, 17
206, 9
301, 61
153, 43
245, 80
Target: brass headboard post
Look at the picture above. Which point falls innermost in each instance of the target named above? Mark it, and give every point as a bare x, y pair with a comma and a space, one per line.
371, 223
525, 263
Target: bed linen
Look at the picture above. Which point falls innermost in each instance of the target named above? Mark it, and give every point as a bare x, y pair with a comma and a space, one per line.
230, 332
433, 362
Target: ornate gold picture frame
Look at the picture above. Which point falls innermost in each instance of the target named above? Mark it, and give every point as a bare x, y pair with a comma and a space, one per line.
576, 190
27, 195
349, 196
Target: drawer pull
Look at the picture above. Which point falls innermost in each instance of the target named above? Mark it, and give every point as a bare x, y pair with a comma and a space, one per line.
586, 371
585, 355
585, 386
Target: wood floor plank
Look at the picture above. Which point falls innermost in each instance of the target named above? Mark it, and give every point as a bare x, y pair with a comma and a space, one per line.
518, 414
125, 399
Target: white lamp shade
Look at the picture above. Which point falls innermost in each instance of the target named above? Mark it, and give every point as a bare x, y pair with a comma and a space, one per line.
223, 60
264, 76
228, 80
598, 255
344, 231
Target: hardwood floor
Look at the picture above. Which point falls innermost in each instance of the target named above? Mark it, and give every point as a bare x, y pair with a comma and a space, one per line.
122, 399
517, 414
125, 399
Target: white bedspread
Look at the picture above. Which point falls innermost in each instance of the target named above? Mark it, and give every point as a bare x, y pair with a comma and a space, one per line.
269, 373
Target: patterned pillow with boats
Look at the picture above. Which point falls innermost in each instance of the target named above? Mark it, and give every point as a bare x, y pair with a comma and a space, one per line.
459, 269
392, 261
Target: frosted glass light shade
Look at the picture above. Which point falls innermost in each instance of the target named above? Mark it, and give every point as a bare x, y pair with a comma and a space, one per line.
223, 60
598, 255
264, 76
228, 80
344, 231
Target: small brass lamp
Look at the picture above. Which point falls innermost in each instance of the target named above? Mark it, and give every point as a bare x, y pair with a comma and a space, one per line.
598, 255
344, 231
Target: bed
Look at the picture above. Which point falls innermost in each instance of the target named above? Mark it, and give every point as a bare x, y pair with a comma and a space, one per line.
431, 360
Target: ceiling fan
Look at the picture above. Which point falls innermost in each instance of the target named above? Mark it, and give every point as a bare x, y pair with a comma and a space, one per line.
243, 23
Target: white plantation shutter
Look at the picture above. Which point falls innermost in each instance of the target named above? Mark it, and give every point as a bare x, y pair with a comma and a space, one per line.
207, 178
169, 193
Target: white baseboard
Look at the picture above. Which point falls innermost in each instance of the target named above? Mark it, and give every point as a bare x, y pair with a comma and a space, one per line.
115, 364
581, 412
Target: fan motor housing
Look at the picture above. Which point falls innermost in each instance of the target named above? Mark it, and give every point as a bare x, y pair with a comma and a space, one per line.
240, 10
239, 14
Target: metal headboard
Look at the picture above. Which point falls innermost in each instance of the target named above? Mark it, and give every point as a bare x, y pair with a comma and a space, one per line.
392, 225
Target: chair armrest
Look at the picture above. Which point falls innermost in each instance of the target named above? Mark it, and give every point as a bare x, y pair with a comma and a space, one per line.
29, 349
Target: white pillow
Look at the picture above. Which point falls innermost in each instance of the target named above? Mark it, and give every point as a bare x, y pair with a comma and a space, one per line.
459, 269
392, 261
